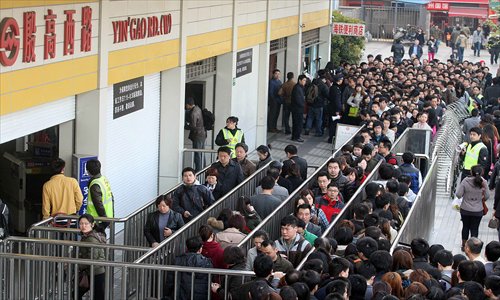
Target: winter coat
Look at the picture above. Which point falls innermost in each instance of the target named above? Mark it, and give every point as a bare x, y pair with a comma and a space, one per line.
298, 99
193, 198
472, 195
214, 251
335, 100
229, 237
233, 282
92, 253
197, 130
151, 229
247, 166
229, 176
183, 286
296, 250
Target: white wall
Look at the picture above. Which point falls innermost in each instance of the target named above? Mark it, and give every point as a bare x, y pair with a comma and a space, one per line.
244, 104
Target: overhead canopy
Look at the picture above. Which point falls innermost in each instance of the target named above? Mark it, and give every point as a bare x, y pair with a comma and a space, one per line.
476, 12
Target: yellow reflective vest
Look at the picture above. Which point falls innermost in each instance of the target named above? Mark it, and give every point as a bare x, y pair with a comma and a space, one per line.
107, 198
472, 155
234, 139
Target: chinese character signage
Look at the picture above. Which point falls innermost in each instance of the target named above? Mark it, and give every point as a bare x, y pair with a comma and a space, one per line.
244, 62
12, 39
348, 29
128, 96
438, 6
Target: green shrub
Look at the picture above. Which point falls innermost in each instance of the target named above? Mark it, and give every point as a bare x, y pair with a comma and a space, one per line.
346, 48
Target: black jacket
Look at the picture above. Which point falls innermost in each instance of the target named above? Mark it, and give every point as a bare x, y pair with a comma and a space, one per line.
300, 162
233, 282
322, 93
243, 292
151, 229
183, 286
221, 141
298, 99
194, 199
335, 100
491, 94
229, 176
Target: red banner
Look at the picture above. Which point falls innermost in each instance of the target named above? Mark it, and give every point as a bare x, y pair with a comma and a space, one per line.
438, 6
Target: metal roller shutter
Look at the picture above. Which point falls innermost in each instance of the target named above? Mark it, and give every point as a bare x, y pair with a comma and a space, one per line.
30, 120
132, 151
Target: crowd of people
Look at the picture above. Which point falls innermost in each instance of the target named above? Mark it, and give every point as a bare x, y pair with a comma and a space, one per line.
354, 261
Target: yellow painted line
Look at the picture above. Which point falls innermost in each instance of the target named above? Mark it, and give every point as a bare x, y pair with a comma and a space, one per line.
142, 53
4, 4
133, 70
35, 96
283, 27
208, 51
210, 38
41, 75
316, 19
251, 35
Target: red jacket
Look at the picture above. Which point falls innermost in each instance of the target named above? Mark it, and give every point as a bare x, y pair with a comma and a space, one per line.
331, 208
214, 251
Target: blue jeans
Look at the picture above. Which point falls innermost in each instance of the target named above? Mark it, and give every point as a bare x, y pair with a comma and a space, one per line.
198, 156
461, 54
477, 48
315, 114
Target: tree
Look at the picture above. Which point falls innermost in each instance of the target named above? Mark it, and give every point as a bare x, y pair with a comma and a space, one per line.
346, 48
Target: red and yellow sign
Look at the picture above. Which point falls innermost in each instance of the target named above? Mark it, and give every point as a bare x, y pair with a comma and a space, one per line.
438, 6
348, 29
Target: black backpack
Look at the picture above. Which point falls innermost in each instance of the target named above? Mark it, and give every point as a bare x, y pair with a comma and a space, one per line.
311, 93
208, 119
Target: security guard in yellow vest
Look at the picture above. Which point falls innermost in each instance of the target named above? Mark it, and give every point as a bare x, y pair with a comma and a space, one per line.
475, 153
100, 202
230, 135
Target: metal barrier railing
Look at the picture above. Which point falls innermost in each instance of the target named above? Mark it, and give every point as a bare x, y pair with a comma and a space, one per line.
42, 277
271, 223
209, 156
133, 224
174, 245
347, 212
69, 249
420, 219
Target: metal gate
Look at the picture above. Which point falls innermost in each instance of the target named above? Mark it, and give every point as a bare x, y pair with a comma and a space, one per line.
380, 21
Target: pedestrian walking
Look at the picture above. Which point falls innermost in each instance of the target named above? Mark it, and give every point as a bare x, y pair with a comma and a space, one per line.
197, 132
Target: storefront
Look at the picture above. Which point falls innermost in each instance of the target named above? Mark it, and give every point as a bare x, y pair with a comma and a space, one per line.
458, 12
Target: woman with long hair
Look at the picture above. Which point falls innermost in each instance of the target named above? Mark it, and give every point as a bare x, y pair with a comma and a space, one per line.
490, 139
473, 191
396, 283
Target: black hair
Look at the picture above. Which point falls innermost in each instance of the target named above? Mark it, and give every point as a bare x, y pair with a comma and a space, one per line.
408, 157
292, 149
267, 182
311, 279
188, 169
467, 270
242, 145
302, 289
93, 167
492, 251
492, 282
367, 246
403, 188
261, 233
343, 235
288, 292
392, 186
292, 277
381, 260
57, 165
371, 220
383, 200
358, 286
477, 172
289, 220
339, 285
225, 149
164, 198
474, 291
386, 171
193, 244
457, 259
233, 255
444, 258
361, 210
263, 266
339, 265
366, 269
315, 264
419, 247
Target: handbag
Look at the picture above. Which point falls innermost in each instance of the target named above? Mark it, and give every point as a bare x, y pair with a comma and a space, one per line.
83, 280
353, 111
493, 223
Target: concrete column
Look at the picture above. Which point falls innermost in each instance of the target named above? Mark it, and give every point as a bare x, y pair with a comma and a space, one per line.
224, 80
66, 144
261, 132
171, 117
88, 123
293, 55
325, 48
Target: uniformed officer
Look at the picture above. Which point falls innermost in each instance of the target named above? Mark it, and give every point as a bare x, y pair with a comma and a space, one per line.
475, 153
230, 135
100, 201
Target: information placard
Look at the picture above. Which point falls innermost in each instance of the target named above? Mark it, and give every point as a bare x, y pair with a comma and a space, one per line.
244, 62
128, 96
343, 134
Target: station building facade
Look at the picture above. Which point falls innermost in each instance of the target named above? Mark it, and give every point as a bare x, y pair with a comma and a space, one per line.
108, 78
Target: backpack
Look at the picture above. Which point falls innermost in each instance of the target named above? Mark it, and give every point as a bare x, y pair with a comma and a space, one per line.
208, 119
311, 93
4, 226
